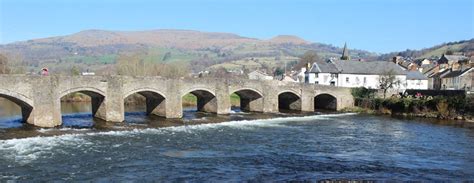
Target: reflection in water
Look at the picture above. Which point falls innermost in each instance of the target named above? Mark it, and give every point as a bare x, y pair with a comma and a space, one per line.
77, 114
10, 114
75, 107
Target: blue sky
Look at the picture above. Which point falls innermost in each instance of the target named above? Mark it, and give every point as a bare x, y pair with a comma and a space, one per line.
374, 25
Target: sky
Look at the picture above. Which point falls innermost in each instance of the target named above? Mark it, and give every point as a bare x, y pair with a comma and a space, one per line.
375, 25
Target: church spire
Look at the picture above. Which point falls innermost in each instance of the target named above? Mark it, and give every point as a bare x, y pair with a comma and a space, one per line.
345, 53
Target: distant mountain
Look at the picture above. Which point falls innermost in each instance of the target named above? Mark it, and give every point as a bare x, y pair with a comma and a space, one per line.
92, 49
465, 47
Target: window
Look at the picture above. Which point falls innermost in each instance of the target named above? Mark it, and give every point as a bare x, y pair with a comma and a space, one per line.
333, 83
347, 79
316, 82
316, 75
365, 80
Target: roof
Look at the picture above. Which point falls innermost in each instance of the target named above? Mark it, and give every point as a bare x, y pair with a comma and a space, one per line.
324, 66
415, 75
440, 73
405, 64
287, 78
419, 61
428, 66
457, 73
430, 70
455, 57
258, 72
356, 67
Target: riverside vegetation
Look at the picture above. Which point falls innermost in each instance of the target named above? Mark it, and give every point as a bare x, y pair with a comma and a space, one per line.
441, 107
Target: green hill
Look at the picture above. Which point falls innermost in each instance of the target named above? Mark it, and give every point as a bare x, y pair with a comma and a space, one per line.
97, 50
466, 47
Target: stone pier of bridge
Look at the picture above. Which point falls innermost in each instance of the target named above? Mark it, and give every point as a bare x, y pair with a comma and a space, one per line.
39, 96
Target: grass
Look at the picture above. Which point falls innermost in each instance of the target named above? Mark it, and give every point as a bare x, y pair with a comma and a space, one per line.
103, 59
256, 63
444, 49
155, 55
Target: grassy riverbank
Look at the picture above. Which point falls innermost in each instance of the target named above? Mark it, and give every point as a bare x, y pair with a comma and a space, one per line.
458, 107
454, 108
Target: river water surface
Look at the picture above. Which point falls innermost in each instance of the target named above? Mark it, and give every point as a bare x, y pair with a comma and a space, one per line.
237, 147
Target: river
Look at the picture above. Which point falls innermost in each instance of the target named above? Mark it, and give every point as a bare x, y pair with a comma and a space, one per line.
237, 147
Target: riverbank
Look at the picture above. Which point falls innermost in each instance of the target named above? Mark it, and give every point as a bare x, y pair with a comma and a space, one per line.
409, 115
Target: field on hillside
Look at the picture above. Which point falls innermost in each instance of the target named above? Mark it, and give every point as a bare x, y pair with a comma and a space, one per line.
440, 51
257, 63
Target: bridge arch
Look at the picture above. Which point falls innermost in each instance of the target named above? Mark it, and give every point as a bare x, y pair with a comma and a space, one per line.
206, 99
155, 100
289, 101
97, 97
25, 103
325, 101
85, 90
250, 99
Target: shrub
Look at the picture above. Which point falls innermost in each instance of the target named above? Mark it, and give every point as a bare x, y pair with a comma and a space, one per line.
443, 108
362, 92
457, 102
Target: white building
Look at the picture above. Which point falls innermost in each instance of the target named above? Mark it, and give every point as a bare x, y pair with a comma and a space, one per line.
416, 80
259, 75
88, 73
347, 73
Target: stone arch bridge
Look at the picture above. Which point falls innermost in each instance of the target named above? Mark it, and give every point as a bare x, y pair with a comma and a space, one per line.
39, 96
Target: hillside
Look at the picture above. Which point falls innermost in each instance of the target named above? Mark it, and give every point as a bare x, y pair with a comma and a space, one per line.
465, 47
98, 49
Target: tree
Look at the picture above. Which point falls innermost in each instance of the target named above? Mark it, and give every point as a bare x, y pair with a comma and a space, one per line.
130, 64
167, 56
388, 80
75, 71
279, 71
345, 57
308, 57
4, 68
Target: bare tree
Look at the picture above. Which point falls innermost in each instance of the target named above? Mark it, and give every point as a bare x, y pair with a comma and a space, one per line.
4, 69
308, 57
388, 80
130, 64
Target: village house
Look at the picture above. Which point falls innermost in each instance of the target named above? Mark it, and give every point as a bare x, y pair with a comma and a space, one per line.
259, 75
450, 73
423, 61
460, 79
450, 59
426, 67
345, 73
416, 80
404, 64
